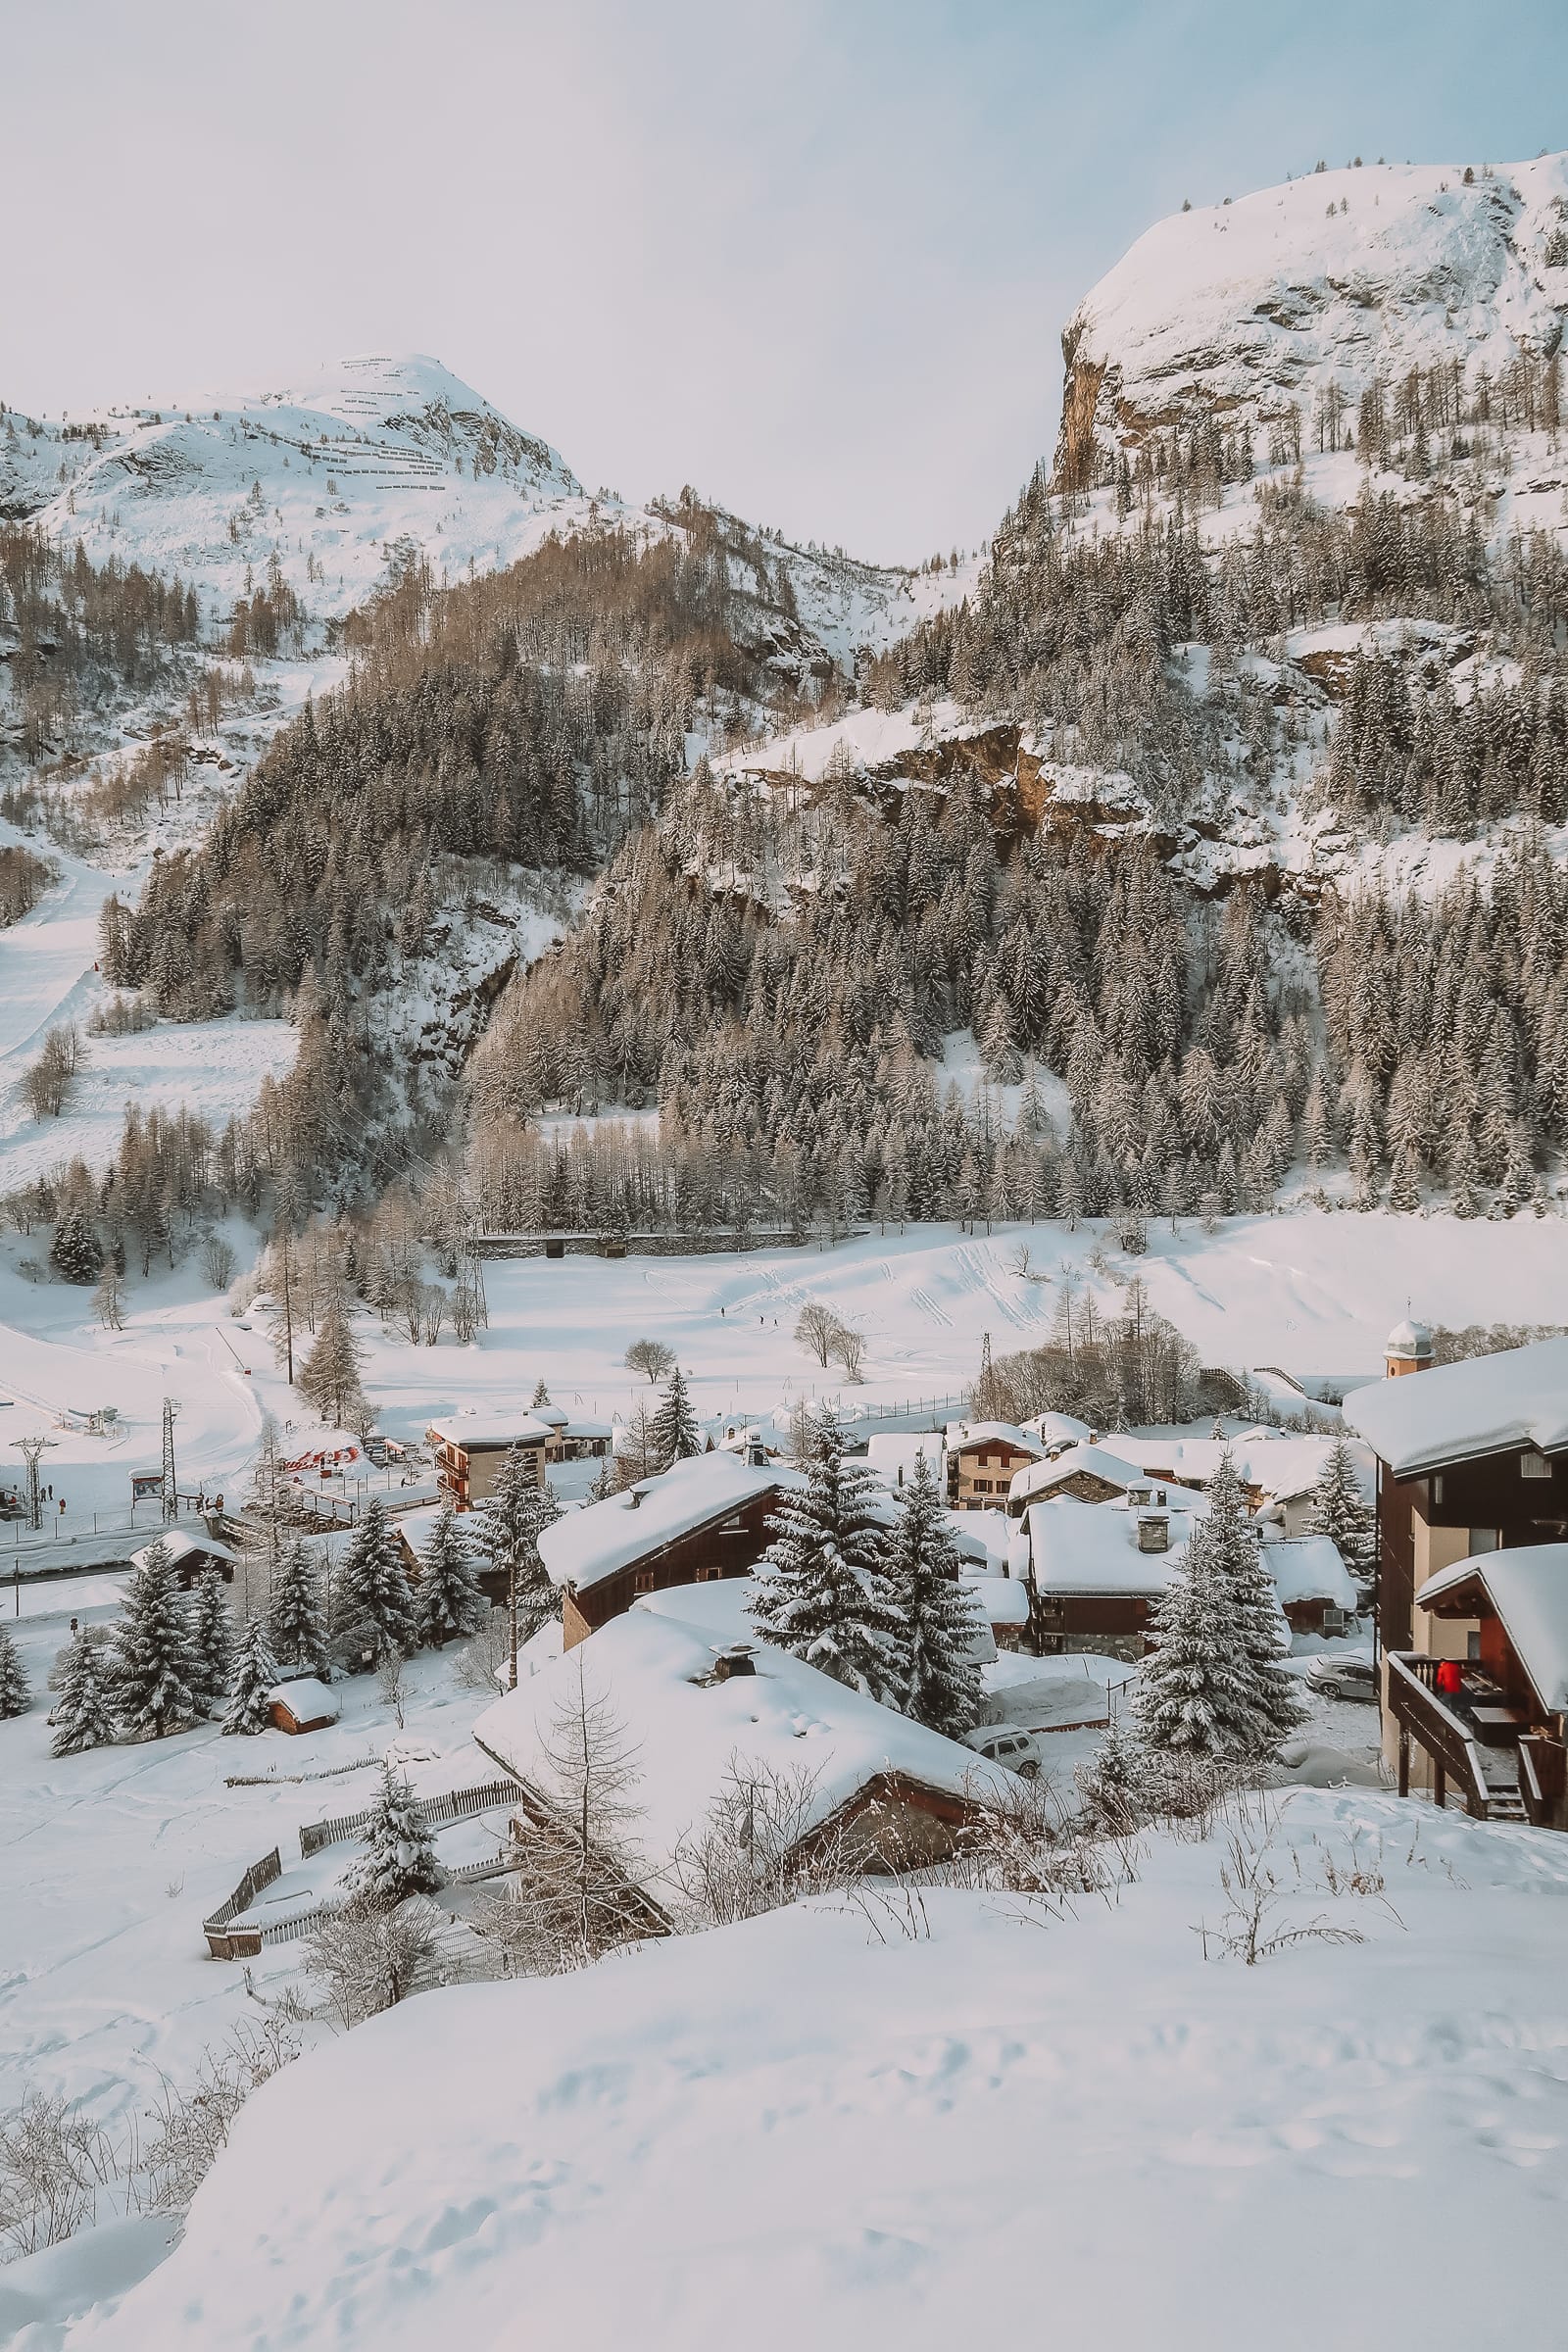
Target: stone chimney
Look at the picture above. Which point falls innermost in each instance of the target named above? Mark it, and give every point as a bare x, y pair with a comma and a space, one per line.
1153, 1530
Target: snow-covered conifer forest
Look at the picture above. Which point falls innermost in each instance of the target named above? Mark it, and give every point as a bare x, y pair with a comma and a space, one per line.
1072, 996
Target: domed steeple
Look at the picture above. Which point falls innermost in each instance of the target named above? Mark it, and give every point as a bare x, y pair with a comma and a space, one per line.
1407, 1349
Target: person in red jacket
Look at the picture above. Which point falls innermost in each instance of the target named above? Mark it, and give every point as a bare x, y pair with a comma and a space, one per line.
1450, 1678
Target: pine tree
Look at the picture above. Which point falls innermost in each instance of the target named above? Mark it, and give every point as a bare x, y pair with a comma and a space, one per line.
75, 1252
297, 1623
821, 1589
157, 1669
449, 1600
15, 1697
255, 1676
83, 1713
940, 1615
212, 1640
371, 1604
331, 1377
399, 1859
508, 1526
540, 1394
1275, 1697
673, 1433
1115, 1783
1338, 1510
1193, 1692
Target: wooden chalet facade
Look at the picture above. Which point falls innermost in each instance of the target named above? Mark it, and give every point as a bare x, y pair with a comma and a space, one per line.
705, 1518
983, 1459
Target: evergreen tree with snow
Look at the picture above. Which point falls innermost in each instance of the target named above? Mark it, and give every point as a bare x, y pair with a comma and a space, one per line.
673, 1433
373, 1607
1115, 1783
212, 1636
1236, 1556
83, 1714
541, 1394
1338, 1510
821, 1590
255, 1677
508, 1526
15, 1697
157, 1671
297, 1622
399, 1859
75, 1252
330, 1376
940, 1614
448, 1599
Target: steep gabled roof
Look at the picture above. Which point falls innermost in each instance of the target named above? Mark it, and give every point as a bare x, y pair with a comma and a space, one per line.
585, 1546
1528, 1590
1459, 1412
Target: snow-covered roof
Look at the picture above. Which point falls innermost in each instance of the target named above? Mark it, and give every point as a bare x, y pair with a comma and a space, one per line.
1528, 1590
1457, 1413
1042, 1478
1409, 1339
893, 1454
1277, 1464
1309, 1568
306, 1698
484, 1431
693, 1736
1058, 1429
1089, 1547
1005, 1600
984, 1538
179, 1546
963, 1435
585, 1546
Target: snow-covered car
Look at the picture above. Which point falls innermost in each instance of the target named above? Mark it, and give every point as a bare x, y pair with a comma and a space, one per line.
1004, 1744
1342, 1677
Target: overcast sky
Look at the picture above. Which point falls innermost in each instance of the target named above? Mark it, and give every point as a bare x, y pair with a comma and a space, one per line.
813, 259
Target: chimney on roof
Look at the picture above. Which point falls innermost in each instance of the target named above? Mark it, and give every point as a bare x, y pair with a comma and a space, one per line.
755, 1454
1407, 1349
1153, 1530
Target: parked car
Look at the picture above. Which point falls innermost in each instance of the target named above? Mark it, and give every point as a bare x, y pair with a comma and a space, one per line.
1004, 1744
1342, 1677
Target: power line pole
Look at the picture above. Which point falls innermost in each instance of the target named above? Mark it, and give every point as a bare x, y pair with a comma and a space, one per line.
170, 1482
30, 1448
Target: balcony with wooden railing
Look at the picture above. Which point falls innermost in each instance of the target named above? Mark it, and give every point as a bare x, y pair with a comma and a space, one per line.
1466, 1734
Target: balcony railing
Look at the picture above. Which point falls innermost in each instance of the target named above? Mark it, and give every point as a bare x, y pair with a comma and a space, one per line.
1443, 1733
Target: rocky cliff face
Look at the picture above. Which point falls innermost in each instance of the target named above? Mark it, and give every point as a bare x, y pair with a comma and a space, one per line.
1281, 310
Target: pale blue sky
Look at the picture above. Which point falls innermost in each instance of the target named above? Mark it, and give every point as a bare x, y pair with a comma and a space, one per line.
814, 259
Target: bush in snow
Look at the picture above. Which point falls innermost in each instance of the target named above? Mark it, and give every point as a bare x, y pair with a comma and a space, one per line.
157, 1674
821, 1589
368, 1960
449, 1600
83, 1713
211, 1634
15, 1697
255, 1675
399, 1858
940, 1615
373, 1607
297, 1620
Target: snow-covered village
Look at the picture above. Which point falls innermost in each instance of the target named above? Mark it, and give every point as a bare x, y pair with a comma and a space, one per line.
783, 1332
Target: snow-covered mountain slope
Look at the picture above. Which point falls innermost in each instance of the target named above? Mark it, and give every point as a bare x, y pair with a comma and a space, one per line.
340, 471
1248, 309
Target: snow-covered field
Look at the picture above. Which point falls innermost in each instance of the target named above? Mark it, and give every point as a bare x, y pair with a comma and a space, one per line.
970, 2118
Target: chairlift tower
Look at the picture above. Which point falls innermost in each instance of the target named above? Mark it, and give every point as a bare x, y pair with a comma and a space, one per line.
171, 1487
30, 1449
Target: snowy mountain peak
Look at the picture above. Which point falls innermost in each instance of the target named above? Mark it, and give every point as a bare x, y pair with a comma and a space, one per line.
1249, 310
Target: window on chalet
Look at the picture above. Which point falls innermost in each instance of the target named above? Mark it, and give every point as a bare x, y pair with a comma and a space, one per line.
1484, 1539
643, 1581
1532, 1464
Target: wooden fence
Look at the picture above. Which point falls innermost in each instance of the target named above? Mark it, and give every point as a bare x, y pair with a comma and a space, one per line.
232, 1935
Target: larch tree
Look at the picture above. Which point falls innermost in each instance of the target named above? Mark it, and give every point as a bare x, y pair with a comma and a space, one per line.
674, 1434
83, 1712
297, 1620
373, 1607
821, 1589
941, 1623
399, 1858
157, 1671
506, 1526
329, 1378
448, 1597
254, 1678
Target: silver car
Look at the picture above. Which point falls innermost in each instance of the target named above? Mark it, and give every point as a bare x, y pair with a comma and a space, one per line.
1342, 1677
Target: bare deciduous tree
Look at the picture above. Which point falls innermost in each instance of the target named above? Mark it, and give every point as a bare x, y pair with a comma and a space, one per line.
652, 1359
815, 1328
368, 1959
